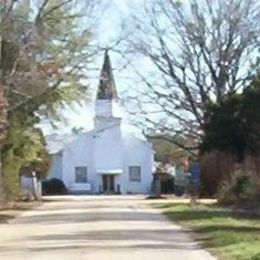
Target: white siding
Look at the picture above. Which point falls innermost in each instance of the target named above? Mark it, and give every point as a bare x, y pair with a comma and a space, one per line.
56, 166
78, 153
105, 150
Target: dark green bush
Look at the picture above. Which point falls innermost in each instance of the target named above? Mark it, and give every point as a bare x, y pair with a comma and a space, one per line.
54, 187
242, 190
242, 187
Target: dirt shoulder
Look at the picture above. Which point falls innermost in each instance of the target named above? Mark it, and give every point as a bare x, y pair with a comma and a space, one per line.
14, 209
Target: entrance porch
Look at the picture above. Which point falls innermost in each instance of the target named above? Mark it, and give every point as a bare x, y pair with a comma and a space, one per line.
109, 182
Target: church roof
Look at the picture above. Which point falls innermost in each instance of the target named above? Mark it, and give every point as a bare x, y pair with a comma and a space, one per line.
107, 86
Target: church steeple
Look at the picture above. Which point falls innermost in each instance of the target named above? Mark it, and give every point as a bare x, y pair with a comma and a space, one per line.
107, 87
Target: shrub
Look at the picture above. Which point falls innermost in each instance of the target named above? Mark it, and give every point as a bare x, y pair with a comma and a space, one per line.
256, 190
54, 187
215, 168
242, 190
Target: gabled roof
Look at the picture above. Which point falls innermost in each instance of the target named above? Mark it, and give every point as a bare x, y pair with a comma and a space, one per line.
107, 86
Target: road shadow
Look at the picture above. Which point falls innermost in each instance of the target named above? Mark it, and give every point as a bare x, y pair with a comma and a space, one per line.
4, 218
159, 235
158, 239
82, 217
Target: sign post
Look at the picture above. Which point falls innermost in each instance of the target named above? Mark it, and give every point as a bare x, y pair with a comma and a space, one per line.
195, 171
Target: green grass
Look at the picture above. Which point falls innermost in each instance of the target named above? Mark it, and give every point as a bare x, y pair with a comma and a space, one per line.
225, 234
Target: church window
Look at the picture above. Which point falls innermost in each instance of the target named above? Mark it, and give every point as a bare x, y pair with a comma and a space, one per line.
80, 174
135, 173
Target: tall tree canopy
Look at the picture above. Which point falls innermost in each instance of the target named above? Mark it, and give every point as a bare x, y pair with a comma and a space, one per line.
44, 56
197, 52
234, 124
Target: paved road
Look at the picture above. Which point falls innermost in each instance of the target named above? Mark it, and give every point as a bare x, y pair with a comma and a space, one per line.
98, 228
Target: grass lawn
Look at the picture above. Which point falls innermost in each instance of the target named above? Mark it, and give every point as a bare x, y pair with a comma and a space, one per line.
225, 234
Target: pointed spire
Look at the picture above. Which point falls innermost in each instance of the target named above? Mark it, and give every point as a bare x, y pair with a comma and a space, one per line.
107, 86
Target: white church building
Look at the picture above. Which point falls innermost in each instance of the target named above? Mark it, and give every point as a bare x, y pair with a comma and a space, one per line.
105, 159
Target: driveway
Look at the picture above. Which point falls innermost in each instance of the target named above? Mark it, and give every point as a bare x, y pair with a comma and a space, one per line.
98, 228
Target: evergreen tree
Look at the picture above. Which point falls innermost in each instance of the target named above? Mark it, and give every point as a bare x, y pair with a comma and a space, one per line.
234, 125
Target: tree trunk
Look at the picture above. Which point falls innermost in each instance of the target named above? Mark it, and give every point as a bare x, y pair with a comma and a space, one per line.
35, 186
2, 196
3, 101
157, 187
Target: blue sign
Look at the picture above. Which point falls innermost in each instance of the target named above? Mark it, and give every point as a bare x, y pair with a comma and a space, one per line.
195, 172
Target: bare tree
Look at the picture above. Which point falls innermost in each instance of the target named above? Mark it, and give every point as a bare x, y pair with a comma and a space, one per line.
200, 51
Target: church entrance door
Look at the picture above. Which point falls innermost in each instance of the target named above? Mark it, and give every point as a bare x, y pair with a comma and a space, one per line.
108, 183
